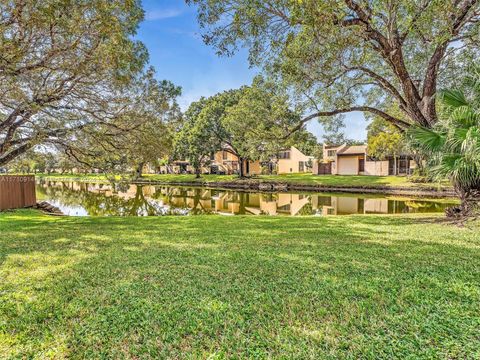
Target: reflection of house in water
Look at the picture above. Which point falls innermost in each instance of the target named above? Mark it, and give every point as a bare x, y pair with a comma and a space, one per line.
257, 204
227, 202
153, 200
344, 205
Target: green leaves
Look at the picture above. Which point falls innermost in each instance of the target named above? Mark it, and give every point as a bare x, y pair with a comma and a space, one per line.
347, 53
67, 70
453, 147
453, 98
252, 121
428, 140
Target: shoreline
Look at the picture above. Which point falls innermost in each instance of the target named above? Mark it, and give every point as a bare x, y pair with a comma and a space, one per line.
268, 186
272, 186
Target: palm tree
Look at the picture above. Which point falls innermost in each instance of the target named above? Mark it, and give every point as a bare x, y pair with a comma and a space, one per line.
453, 146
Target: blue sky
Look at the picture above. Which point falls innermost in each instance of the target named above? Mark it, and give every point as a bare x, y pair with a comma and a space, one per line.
172, 36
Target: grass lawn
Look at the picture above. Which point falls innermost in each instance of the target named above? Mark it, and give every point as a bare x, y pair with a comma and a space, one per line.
307, 179
366, 287
341, 180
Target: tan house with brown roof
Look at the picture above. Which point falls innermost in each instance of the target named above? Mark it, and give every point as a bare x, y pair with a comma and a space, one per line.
220, 162
354, 160
293, 161
226, 162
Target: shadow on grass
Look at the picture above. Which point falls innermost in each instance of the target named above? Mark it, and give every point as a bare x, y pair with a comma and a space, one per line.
243, 286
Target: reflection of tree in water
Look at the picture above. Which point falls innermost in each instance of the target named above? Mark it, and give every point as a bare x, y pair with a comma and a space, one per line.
307, 210
98, 203
174, 196
421, 206
129, 200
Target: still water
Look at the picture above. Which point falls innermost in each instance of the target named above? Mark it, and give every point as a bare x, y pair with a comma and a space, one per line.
89, 199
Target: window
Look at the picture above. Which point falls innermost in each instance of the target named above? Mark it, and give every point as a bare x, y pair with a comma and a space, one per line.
225, 155
331, 153
284, 155
212, 156
301, 166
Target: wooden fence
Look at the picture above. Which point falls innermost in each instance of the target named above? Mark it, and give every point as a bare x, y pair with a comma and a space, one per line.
17, 192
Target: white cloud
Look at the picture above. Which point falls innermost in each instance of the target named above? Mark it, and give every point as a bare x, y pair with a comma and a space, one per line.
162, 14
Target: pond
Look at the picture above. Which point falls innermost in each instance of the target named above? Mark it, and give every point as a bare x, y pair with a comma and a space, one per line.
93, 199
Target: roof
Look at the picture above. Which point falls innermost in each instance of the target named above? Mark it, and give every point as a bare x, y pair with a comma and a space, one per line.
331, 146
353, 150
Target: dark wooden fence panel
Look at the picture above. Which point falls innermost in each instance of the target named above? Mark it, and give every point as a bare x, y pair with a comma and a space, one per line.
325, 168
17, 192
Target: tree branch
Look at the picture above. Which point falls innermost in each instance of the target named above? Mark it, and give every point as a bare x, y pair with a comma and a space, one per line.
398, 123
431, 75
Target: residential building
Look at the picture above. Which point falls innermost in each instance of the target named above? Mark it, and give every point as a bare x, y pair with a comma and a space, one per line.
293, 161
354, 160
220, 162
225, 162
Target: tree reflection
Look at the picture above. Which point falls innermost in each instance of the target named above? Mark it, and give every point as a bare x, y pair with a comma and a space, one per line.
131, 200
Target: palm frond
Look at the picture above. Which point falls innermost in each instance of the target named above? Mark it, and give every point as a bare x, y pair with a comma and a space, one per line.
453, 146
453, 98
465, 116
427, 139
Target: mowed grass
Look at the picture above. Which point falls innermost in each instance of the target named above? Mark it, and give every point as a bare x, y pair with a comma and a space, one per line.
342, 180
305, 178
365, 287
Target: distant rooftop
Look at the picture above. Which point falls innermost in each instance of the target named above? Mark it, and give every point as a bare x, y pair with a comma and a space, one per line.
353, 150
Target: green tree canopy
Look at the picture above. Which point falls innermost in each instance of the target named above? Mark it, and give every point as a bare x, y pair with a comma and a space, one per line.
252, 122
453, 146
384, 140
142, 134
352, 55
65, 65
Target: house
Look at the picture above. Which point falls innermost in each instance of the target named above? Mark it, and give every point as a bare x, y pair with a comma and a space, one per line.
225, 162
354, 160
220, 162
293, 161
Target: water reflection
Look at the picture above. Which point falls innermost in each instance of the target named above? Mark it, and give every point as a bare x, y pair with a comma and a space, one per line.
82, 199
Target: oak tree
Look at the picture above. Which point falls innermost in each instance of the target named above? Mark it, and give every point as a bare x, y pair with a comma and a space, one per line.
64, 65
352, 55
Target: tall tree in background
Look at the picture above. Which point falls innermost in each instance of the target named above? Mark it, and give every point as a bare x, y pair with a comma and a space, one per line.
142, 134
352, 55
258, 124
197, 139
157, 118
304, 141
64, 65
384, 139
252, 123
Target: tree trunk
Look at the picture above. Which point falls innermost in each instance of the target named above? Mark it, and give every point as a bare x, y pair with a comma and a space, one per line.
469, 204
241, 173
139, 170
418, 160
197, 172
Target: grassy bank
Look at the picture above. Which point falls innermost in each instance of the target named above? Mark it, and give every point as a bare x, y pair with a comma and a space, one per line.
212, 287
298, 179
